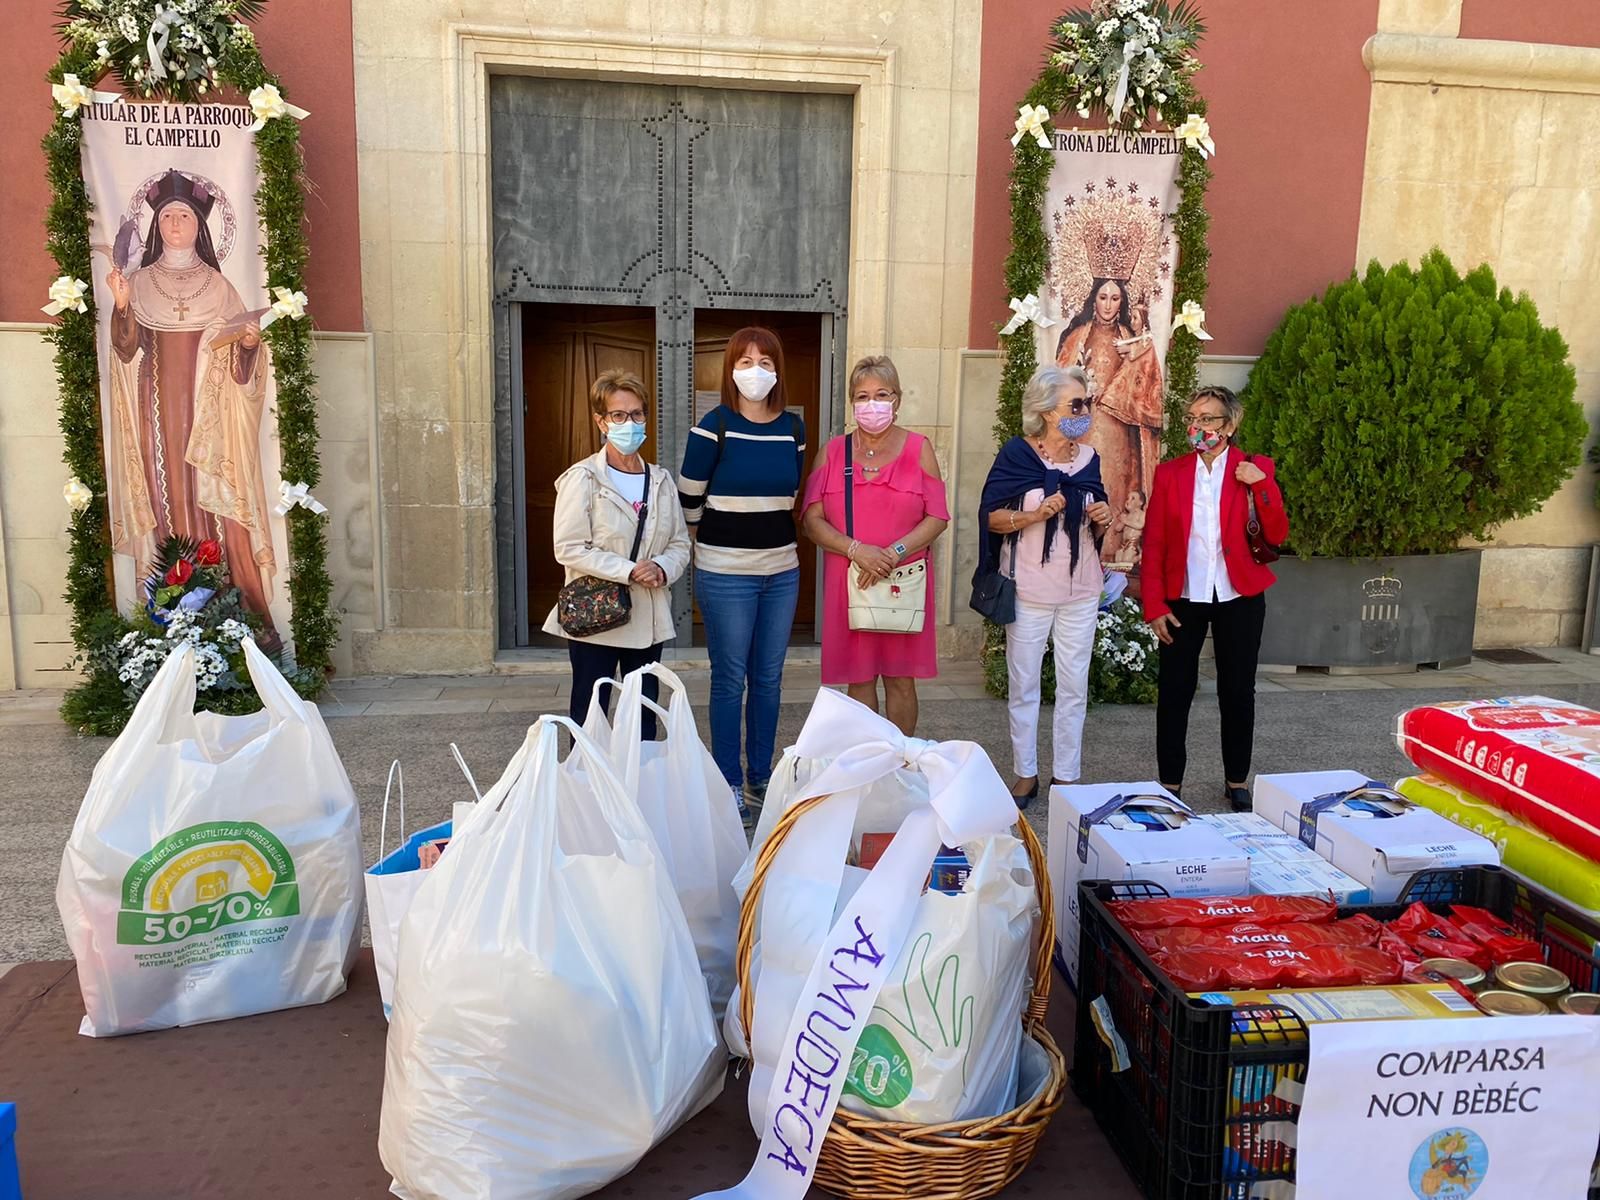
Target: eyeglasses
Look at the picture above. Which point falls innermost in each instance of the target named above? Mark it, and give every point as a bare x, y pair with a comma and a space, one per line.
622, 418
881, 397
1208, 420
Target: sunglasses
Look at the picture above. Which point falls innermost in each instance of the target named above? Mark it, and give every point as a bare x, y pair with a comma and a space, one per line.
1080, 406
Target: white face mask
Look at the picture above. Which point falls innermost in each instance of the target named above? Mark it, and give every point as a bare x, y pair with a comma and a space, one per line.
754, 383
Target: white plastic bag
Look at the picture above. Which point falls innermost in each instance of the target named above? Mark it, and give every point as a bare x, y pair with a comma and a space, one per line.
943, 1041
214, 869
693, 815
550, 1022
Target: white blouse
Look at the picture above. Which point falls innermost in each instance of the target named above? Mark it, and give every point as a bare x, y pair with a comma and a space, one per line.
1207, 575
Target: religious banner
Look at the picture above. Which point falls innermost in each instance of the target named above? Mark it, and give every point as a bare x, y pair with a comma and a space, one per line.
1108, 303
1496, 1109
187, 397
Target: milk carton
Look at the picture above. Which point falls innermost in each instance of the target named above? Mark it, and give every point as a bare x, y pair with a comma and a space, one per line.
1366, 829
1133, 831
1282, 865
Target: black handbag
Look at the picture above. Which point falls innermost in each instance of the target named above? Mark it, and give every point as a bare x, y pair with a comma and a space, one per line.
994, 593
590, 605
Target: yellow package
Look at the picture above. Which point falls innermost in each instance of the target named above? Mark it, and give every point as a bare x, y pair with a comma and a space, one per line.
1398, 1001
1525, 851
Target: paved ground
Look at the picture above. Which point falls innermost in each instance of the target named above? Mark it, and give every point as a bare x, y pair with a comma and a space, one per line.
1305, 722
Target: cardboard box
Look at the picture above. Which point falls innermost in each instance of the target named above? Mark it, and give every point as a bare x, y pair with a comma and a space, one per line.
1282, 865
1133, 831
1377, 836
1396, 1002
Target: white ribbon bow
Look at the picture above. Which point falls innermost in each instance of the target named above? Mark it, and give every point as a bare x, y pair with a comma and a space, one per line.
805, 1036
1191, 317
1131, 49
72, 94
77, 494
1027, 309
291, 494
156, 44
1196, 131
1030, 123
268, 104
288, 304
66, 293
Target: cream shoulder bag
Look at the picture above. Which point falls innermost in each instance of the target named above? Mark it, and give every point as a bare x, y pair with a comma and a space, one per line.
897, 604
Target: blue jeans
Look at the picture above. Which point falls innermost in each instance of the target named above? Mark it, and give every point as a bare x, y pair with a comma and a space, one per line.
747, 622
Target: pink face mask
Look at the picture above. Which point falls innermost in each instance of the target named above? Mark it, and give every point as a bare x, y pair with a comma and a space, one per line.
874, 416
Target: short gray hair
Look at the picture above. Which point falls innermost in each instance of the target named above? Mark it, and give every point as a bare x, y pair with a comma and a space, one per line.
1043, 394
1232, 406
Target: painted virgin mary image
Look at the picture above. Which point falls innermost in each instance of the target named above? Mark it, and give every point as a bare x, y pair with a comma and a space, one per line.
1111, 245
188, 385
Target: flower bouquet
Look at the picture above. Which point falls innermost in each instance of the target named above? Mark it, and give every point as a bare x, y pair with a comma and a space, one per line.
166, 45
1127, 56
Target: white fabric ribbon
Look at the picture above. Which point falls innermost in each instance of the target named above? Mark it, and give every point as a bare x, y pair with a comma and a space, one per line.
268, 104
1131, 49
66, 293
1027, 309
156, 44
292, 494
805, 1033
1030, 123
289, 304
77, 494
1191, 317
1196, 131
72, 94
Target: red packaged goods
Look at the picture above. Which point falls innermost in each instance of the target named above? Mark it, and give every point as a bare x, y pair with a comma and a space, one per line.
1500, 939
1201, 968
1530, 756
1221, 911
1359, 930
1433, 936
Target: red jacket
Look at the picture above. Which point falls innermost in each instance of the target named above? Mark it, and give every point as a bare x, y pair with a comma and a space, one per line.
1171, 511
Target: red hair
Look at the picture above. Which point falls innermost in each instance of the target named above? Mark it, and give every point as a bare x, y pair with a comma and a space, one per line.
768, 344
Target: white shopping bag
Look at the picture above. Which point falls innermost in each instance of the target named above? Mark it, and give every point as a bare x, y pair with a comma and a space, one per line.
693, 814
550, 1021
214, 869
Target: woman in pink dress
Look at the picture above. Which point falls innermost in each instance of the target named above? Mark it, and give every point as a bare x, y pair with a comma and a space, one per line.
900, 510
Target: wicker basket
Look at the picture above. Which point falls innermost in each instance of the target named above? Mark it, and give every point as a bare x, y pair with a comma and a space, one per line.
866, 1159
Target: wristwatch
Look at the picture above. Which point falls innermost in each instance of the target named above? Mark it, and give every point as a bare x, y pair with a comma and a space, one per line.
900, 551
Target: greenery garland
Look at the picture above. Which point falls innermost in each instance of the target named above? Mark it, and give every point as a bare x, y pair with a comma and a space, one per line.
100, 704
1067, 83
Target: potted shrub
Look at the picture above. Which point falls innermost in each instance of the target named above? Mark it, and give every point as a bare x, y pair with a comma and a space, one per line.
1410, 411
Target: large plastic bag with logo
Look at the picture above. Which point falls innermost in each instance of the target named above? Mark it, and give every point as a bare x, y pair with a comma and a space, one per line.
832, 937
550, 1021
214, 869
692, 813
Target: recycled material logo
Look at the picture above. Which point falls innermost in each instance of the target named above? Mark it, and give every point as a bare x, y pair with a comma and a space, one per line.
205, 877
1449, 1165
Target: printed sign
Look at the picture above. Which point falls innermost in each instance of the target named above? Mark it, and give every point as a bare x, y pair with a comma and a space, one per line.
1496, 1109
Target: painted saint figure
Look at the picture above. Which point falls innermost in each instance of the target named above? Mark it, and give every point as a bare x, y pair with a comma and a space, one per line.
1113, 345
188, 384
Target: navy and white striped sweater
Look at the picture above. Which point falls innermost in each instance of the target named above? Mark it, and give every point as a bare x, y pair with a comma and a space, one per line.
738, 485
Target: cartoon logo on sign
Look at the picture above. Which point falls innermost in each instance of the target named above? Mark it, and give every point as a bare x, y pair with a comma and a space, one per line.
205, 877
1449, 1165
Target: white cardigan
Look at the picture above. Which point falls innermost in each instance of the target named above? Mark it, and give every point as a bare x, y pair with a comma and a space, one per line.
594, 530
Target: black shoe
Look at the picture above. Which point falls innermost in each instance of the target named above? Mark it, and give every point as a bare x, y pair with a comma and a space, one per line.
1027, 797
1238, 797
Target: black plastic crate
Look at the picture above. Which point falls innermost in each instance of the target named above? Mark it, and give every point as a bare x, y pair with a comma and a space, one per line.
1193, 1115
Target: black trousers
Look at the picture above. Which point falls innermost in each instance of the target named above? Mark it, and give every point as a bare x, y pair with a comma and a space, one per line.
1235, 627
591, 663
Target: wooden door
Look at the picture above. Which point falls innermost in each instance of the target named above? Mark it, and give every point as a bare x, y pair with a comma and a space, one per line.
801, 335
564, 349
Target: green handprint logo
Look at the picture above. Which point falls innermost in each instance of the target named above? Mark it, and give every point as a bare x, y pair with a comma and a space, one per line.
925, 1009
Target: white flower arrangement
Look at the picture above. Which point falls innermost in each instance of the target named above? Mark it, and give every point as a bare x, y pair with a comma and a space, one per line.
140, 653
1123, 669
166, 45
1127, 56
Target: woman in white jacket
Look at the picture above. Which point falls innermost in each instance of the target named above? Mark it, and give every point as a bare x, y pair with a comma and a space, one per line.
601, 502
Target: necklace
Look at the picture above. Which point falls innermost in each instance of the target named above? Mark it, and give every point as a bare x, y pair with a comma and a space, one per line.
180, 302
1072, 451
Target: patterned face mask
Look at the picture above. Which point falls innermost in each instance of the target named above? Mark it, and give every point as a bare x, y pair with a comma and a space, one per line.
1073, 427
1204, 439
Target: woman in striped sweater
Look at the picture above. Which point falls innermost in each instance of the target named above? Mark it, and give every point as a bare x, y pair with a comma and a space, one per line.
741, 473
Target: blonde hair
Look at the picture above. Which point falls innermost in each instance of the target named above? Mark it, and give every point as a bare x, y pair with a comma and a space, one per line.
874, 366
609, 383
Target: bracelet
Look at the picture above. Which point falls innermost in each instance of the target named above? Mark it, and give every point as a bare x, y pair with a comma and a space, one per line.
851, 553
1013, 520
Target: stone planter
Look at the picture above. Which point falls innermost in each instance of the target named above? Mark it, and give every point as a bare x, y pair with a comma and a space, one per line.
1371, 613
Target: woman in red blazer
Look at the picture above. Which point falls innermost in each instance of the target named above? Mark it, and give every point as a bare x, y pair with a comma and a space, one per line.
1197, 574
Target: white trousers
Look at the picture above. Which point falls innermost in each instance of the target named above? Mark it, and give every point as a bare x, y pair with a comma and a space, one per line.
1070, 629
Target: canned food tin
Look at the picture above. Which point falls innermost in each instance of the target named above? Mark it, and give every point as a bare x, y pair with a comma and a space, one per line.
1511, 1004
1456, 968
1580, 1004
1533, 979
